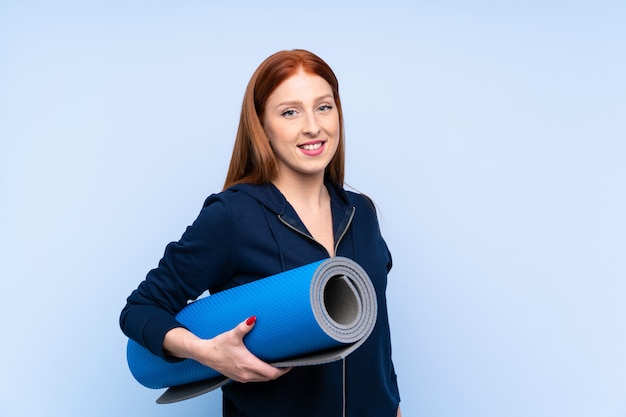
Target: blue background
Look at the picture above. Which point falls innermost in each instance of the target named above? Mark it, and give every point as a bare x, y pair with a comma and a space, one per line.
491, 135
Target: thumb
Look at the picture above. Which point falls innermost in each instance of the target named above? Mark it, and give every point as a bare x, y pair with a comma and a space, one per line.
245, 326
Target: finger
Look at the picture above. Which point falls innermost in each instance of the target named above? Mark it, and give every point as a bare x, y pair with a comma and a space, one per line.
245, 326
262, 371
258, 370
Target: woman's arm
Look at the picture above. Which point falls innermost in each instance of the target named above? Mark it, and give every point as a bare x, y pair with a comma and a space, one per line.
225, 353
202, 258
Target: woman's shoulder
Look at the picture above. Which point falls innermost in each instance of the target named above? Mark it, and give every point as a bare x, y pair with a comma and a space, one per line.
243, 199
361, 200
230, 196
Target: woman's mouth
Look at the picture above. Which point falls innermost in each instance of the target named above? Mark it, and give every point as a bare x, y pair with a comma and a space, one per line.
312, 148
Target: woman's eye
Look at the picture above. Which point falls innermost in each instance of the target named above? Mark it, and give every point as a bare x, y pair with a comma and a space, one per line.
326, 107
288, 113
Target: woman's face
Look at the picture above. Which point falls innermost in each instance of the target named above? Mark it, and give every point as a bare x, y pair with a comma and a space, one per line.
302, 124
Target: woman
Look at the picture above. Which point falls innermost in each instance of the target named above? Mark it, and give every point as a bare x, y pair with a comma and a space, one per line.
283, 206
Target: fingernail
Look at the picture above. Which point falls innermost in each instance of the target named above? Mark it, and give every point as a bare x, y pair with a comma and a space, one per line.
251, 320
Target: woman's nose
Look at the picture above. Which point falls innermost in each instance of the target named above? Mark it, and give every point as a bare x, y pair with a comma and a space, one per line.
312, 127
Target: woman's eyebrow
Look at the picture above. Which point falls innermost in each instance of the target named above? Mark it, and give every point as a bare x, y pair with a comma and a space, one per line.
299, 102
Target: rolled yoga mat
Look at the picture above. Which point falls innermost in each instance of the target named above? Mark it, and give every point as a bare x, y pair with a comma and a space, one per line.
314, 314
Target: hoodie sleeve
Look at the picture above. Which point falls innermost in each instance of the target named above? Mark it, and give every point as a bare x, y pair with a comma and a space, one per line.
375, 223
196, 262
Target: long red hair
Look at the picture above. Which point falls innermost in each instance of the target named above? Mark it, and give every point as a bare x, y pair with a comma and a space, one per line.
253, 160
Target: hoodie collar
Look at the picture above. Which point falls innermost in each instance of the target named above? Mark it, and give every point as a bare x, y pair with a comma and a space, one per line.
271, 197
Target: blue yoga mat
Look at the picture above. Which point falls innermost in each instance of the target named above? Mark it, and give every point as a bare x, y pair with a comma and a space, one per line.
313, 314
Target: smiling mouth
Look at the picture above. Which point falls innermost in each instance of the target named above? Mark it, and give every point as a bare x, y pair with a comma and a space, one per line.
311, 146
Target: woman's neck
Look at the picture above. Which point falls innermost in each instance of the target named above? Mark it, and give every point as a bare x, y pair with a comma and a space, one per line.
308, 192
311, 201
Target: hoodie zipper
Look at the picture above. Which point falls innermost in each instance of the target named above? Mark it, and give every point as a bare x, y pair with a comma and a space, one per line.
343, 385
308, 236
345, 229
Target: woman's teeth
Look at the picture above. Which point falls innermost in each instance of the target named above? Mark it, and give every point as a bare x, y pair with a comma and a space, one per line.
312, 147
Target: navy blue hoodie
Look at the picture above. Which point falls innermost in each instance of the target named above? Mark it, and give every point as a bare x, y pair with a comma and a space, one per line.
249, 232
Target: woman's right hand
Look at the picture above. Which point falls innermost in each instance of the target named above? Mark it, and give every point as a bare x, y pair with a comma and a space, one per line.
225, 353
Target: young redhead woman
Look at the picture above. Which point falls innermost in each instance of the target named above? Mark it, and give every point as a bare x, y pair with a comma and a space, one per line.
283, 206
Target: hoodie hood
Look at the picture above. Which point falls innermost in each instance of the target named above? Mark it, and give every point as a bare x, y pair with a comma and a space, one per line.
270, 196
